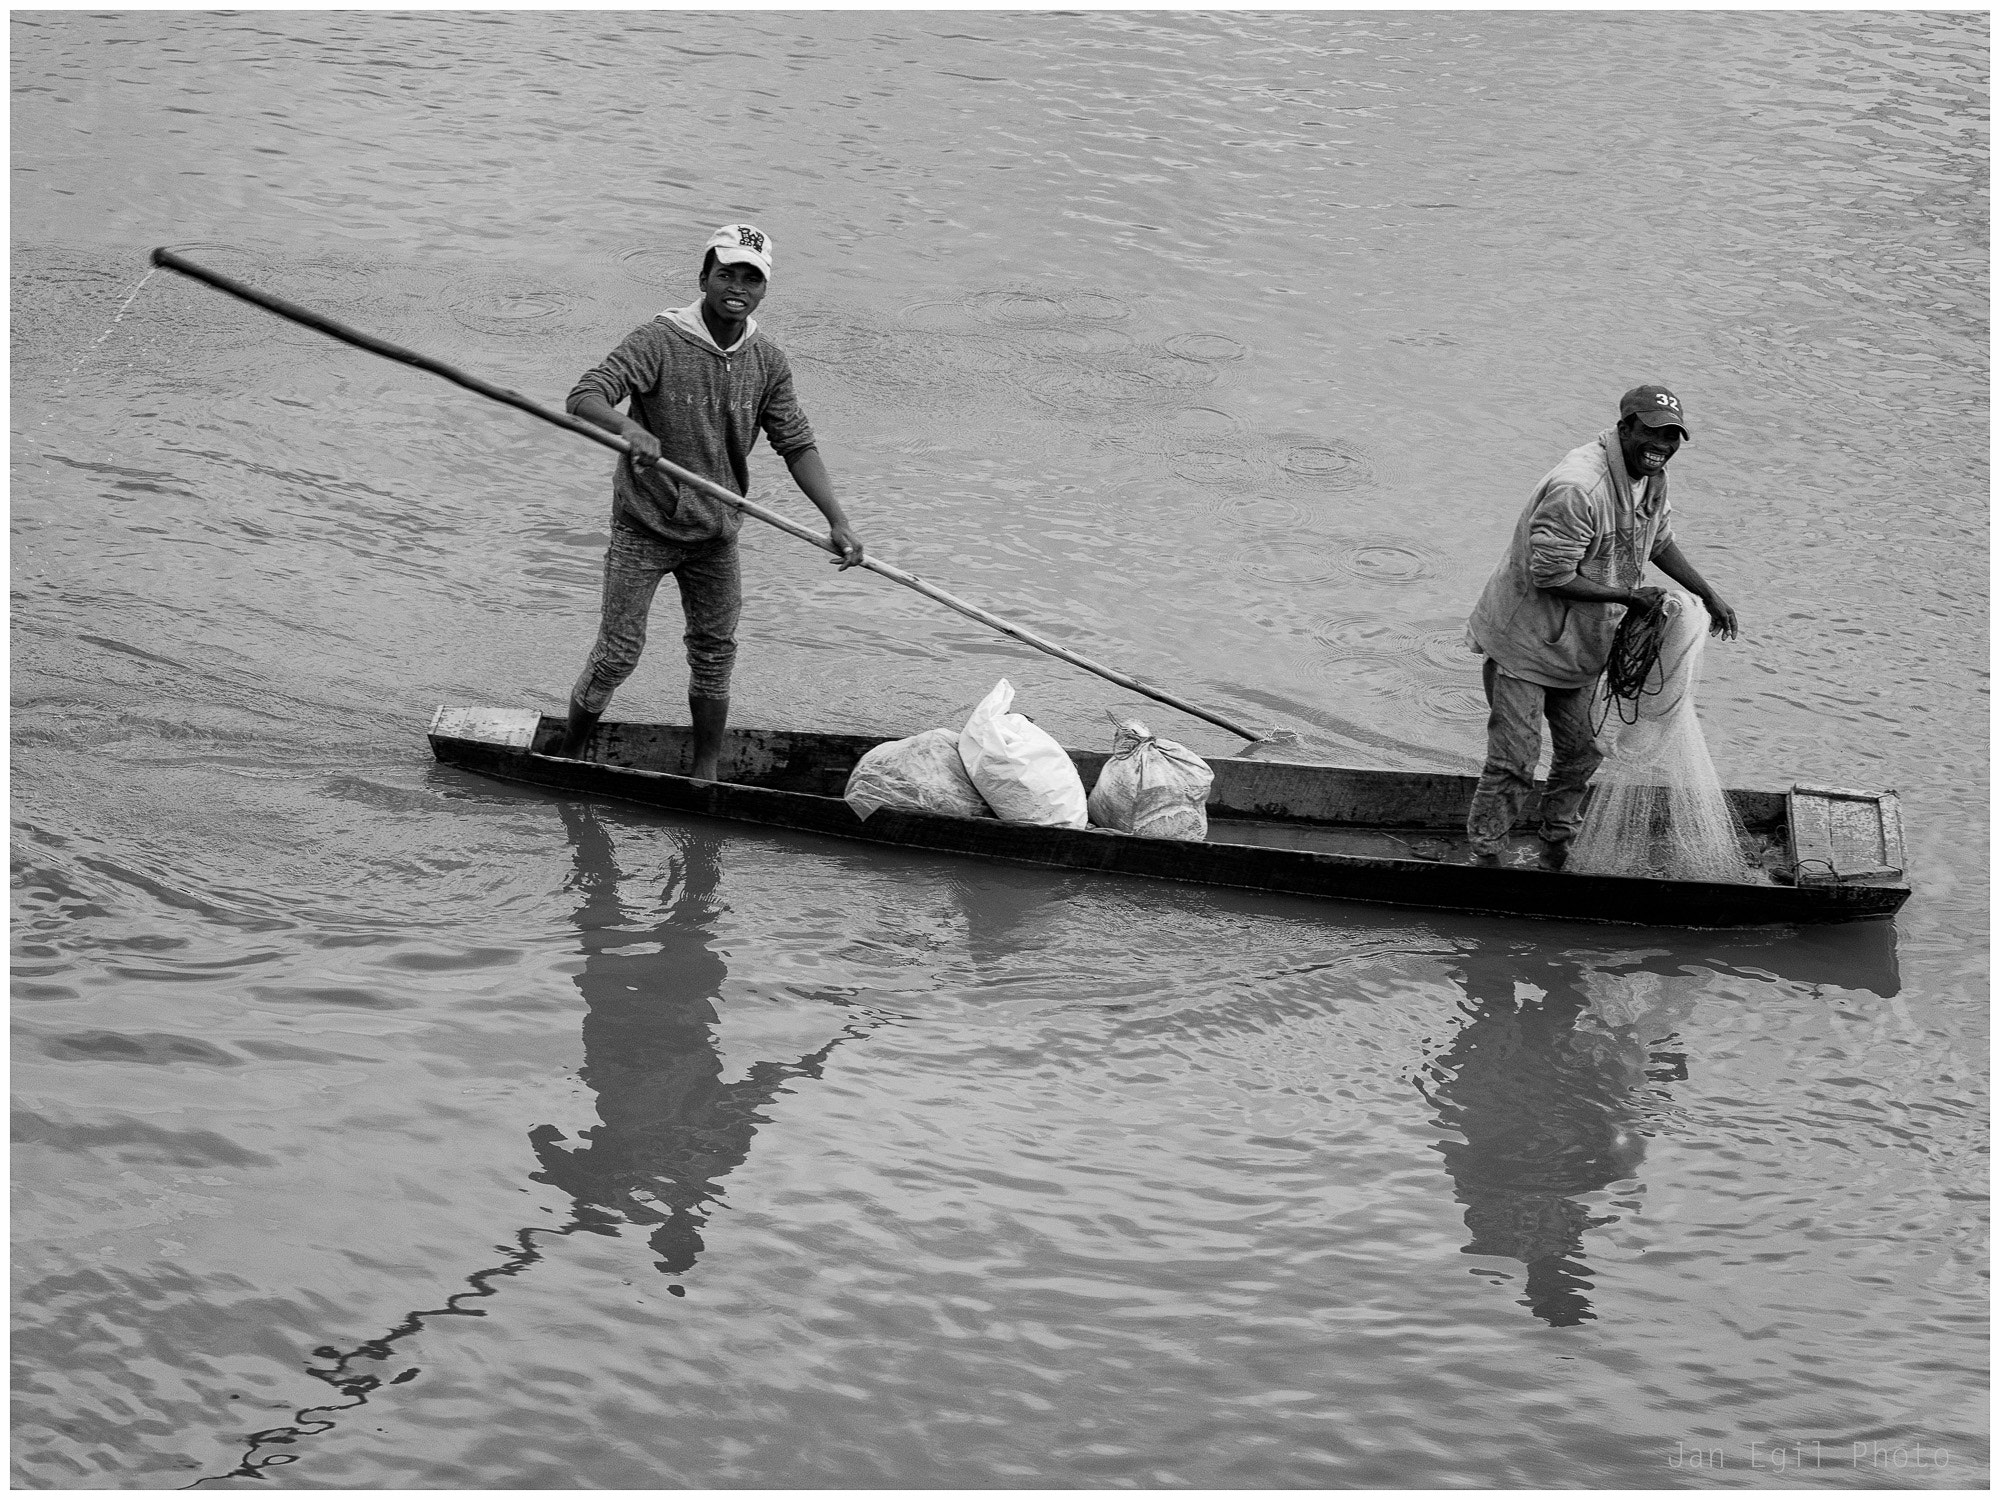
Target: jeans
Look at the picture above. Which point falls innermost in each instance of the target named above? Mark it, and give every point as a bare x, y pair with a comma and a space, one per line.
711, 600
1514, 741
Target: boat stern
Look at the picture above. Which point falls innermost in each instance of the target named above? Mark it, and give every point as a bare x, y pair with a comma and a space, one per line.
516, 729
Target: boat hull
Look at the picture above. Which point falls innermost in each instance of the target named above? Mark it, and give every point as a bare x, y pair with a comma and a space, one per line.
791, 780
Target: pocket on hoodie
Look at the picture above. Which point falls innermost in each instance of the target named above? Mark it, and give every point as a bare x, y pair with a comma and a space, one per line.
1562, 623
1532, 620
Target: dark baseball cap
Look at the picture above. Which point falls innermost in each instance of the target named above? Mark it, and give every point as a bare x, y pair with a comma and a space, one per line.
1656, 406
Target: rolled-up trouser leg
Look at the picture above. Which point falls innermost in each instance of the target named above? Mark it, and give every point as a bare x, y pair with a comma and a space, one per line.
1575, 760
1513, 744
711, 585
633, 568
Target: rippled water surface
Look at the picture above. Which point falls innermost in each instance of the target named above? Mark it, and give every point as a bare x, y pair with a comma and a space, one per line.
379, 1126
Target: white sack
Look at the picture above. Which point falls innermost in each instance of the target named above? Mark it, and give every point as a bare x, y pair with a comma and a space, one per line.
920, 774
1019, 769
1151, 787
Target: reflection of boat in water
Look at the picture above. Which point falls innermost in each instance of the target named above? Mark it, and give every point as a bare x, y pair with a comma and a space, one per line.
1391, 837
1858, 956
670, 1129
1848, 955
1542, 1086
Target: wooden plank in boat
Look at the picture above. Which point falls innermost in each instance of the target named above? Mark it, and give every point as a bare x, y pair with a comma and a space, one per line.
1841, 834
513, 727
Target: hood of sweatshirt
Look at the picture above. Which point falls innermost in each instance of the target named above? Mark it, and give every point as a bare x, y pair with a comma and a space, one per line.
688, 320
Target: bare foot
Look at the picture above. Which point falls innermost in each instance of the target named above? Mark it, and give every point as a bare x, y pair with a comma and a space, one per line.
705, 771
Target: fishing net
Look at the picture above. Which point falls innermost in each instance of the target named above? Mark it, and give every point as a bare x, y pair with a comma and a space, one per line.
1657, 808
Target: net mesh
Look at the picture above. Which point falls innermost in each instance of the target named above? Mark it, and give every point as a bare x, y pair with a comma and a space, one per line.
1657, 808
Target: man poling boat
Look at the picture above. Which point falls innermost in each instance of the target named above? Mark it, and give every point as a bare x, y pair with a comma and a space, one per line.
702, 381
587, 420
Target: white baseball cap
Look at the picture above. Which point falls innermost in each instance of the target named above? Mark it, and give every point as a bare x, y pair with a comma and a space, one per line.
744, 243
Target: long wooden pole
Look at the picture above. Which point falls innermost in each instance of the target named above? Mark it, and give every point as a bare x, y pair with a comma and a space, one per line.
334, 329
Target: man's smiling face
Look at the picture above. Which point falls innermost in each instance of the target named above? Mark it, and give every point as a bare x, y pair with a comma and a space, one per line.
1647, 449
731, 292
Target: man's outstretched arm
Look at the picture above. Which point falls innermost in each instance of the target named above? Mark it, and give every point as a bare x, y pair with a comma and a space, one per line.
1671, 561
809, 474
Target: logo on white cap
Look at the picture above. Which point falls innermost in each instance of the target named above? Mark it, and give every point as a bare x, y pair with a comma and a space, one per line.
745, 243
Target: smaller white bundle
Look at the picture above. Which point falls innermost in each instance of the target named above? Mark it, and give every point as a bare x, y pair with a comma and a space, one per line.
920, 774
1151, 787
1023, 774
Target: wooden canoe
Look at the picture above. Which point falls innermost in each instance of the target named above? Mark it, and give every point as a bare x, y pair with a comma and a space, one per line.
1393, 837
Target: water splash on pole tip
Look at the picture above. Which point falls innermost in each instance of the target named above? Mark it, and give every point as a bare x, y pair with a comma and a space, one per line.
62, 391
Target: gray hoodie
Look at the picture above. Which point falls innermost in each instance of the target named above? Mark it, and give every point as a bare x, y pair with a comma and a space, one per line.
705, 404
1581, 522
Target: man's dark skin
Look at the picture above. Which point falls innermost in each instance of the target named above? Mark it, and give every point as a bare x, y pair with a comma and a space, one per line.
730, 293
1647, 451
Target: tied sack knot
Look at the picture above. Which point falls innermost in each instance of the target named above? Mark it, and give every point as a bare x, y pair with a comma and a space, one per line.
1151, 787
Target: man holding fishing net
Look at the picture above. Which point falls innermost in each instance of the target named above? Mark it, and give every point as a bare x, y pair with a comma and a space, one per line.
702, 381
1547, 617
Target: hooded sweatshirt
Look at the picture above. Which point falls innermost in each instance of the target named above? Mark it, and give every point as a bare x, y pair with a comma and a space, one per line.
705, 404
1581, 522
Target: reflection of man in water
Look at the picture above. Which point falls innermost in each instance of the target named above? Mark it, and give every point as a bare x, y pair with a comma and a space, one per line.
671, 1128
1542, 1095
